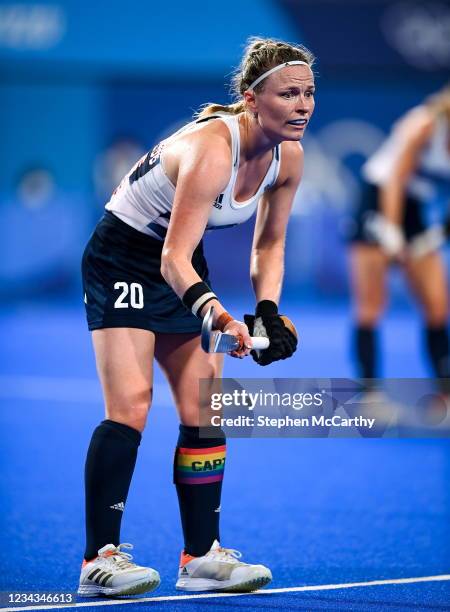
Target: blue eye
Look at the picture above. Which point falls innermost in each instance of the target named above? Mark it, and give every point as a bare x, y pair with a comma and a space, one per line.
288, 95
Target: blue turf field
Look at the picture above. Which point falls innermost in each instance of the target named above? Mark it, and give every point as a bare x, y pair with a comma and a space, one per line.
318, 512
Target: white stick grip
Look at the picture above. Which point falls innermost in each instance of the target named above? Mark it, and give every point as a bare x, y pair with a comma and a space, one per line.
259, 344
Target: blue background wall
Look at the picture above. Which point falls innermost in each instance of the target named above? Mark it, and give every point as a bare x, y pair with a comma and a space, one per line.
76, 80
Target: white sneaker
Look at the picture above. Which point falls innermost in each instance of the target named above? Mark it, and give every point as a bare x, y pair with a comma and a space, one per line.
220, 570
113, 573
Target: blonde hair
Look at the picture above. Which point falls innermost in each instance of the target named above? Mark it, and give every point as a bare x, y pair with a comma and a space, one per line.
260, 55
439, 102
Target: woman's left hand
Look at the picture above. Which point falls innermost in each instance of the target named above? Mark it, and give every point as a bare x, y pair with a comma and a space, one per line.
279, 329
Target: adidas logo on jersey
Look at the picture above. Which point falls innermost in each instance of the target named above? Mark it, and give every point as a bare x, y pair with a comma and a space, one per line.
120, 506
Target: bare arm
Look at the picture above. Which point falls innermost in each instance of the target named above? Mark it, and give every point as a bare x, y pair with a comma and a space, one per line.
415, 133
204, 170
267, 257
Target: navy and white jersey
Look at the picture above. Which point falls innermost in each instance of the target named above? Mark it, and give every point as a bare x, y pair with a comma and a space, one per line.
430, 182
144, 198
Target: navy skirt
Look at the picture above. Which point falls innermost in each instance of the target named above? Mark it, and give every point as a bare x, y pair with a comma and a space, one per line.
122, 282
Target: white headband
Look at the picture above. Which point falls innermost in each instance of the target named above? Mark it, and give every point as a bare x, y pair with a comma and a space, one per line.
266, 74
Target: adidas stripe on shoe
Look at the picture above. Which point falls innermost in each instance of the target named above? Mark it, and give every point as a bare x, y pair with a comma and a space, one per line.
221, 570
113, 573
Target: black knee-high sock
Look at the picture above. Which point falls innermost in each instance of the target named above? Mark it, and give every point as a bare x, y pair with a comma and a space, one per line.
109, 468
438, 345
198, 473
366, 351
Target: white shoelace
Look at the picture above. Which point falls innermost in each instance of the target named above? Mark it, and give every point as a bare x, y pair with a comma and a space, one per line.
120, 559
230, 555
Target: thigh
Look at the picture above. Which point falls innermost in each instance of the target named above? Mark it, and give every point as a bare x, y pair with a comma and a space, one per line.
368, 276
124, 358
428, 279
184, 363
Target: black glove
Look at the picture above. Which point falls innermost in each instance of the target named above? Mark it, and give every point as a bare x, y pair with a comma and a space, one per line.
283, 342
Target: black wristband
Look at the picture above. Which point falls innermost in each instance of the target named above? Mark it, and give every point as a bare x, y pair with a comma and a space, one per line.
197, 296
266, 308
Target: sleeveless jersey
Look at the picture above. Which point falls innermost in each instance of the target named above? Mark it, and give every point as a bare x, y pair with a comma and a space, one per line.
430, 182
144, 198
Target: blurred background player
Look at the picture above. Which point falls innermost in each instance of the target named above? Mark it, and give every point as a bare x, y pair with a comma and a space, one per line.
401, 219
146, 290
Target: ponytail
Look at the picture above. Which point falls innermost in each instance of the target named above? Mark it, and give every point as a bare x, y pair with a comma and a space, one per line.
212, 108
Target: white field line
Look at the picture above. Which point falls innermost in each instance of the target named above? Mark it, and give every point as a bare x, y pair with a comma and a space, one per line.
300, 589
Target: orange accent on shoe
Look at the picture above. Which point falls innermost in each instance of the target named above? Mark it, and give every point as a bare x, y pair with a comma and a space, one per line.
108, 553
86, 561
185, 558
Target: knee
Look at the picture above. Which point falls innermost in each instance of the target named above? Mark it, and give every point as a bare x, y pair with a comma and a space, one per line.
196, 411
192, 417
436, 314
370, 314
131, 409
192, 393
369, 308
437, 318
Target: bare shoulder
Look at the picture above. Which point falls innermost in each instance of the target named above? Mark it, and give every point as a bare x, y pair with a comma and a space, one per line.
418, 124
209, 154
211, 138
205, 150
292, 150
291, 167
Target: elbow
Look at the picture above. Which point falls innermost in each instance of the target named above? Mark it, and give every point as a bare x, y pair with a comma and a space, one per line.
396, 180
166, 264
269, 257
271, 251
172, 264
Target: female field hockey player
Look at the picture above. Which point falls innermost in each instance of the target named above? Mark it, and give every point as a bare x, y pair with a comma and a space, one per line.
146, 290
402, 217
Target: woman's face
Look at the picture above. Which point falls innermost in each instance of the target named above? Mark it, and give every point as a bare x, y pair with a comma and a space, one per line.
286, 103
